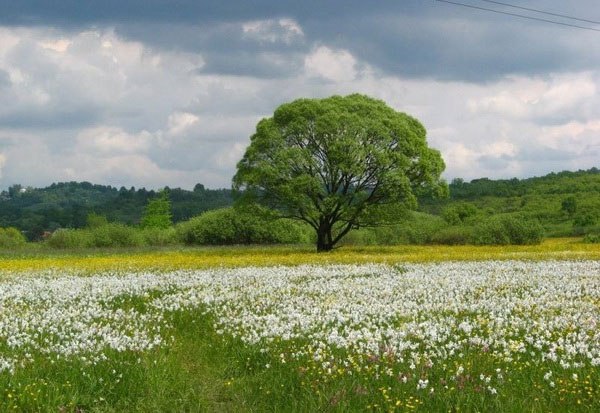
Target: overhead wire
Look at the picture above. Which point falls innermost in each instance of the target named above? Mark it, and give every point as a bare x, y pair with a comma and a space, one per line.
471, 6
564, 16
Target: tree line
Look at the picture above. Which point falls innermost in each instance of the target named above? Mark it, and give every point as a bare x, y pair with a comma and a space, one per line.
36, 211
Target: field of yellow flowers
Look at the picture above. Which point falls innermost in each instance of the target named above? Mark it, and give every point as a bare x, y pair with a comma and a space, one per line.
210, 257
499, 329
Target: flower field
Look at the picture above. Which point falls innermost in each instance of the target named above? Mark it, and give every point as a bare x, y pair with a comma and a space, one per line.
444, 336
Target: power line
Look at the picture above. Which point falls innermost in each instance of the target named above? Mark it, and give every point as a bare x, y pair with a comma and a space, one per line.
518, 15
542, 12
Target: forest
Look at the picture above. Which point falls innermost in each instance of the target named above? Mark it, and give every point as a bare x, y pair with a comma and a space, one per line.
555, 205
36, 211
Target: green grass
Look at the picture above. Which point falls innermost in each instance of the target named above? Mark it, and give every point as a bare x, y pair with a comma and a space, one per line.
205, 372
191, 375
202, 371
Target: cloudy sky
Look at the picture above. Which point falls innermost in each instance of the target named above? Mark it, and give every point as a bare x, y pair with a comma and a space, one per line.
153, 93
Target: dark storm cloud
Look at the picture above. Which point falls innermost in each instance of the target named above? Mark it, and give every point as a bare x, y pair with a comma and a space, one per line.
225, 48
77, 13
456, 49
416, 38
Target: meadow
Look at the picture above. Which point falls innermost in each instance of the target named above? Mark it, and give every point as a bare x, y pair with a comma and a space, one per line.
406, 328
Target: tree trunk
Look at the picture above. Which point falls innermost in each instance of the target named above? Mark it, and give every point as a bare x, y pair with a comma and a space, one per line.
324, 238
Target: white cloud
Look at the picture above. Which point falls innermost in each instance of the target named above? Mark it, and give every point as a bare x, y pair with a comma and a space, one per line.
460, 156
534, 97
104, 141
179, 122
291, 26
332, 65
579, 136
229, 157
58, 45
99, 74
500, 148
92, 105
9, 38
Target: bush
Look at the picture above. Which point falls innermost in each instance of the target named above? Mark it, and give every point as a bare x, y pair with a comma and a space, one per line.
386, 235
94, 220
583, 224
584, 220
490, 232
116, 235
592, 238
70, 238
455, 235
459, 213
228, 226
109, 235
507, 229
11, 238
419, 228
159, 237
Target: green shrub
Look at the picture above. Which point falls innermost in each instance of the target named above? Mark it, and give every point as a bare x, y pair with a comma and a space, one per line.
458, 213
490, 232
569, 205
116, 235
385, 235
421, 228
229, 226
455, 235
11, 238
159, 237
418, 229
109, 235
584, 220
583, 224
70, 238
94, 220
592, 238
508, 229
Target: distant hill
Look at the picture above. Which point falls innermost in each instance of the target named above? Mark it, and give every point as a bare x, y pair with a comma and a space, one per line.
565, 182
539, 197
67, 204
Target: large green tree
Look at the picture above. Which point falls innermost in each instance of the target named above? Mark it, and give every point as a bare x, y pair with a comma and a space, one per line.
338, 163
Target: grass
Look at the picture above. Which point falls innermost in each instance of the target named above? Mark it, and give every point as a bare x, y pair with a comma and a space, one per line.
203, 371
188, 376
208, 257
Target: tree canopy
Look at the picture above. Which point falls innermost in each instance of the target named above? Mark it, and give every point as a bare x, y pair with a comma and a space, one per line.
157, 214
338, 163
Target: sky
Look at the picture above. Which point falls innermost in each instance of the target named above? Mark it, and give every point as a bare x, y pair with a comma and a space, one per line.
151, 93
